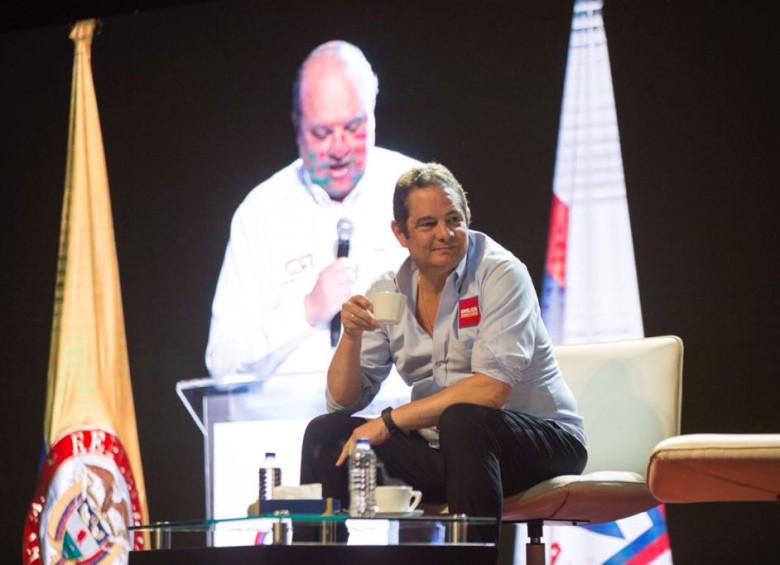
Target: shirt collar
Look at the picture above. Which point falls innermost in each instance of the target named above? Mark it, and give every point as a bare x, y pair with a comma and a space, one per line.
460, 270
406, 277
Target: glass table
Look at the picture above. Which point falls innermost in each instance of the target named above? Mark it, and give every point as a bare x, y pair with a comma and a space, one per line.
277, 529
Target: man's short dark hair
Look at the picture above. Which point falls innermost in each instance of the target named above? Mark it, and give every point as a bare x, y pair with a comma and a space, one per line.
423, 176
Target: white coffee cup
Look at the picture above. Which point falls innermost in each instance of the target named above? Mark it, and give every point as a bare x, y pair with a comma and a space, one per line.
396, 499
388, 306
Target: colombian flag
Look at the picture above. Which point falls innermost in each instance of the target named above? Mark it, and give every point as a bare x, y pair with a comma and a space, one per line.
91, 487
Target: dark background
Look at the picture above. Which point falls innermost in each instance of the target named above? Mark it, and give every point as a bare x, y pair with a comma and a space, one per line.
194, 101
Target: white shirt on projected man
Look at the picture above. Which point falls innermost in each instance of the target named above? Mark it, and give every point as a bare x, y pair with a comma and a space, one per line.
282, 235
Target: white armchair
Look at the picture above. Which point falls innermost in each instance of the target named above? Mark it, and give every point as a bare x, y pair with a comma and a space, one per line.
629, 393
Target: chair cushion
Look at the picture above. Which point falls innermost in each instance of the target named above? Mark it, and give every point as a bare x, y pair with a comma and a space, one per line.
716, 467
601, 496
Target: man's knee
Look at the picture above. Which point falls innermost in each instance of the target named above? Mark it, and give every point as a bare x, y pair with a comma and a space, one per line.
465, 418
317, 425
468, 430
328, 428
322, 440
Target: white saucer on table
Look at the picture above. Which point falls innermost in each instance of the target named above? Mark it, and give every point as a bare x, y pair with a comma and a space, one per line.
409, 514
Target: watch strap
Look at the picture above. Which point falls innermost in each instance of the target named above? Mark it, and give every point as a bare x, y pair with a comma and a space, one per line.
388, 420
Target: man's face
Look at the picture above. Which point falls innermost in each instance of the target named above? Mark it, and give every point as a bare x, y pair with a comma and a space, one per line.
437, 230
335, 129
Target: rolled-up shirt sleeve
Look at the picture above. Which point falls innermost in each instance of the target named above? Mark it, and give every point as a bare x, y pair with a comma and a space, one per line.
376, 362
505, 342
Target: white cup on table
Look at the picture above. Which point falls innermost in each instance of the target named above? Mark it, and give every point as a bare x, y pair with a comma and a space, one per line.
396, 499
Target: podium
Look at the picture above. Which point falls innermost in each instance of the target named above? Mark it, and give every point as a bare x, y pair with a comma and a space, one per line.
243, 416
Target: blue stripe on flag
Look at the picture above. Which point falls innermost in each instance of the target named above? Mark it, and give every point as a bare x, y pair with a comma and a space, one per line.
642, 541
552, 304
611, 529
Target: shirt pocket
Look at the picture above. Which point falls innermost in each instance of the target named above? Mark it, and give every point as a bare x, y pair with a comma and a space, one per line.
460, 347
465, 337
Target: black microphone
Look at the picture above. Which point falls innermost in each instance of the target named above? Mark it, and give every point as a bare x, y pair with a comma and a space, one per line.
344, 229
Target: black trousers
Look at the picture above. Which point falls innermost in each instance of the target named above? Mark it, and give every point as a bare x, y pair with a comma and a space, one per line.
485, 454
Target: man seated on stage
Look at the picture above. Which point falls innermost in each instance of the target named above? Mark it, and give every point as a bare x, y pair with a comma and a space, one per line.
490, 414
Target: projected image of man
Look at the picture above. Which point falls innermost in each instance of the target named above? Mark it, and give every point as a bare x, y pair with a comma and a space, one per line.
286, 272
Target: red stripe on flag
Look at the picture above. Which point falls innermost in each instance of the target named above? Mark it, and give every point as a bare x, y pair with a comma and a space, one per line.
652, 551
555, 264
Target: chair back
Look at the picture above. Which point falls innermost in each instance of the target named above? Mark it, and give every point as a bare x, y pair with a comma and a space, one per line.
629, 394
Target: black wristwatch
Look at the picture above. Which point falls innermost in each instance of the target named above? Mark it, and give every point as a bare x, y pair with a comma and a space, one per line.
388, 420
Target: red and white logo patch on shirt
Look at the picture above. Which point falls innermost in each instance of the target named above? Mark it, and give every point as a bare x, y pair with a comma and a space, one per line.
468, 312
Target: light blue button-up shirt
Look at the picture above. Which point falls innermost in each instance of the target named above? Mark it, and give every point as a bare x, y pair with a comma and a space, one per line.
488, 322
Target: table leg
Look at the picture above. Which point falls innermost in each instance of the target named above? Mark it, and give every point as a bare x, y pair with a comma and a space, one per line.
162, 536
457, 529
327, 532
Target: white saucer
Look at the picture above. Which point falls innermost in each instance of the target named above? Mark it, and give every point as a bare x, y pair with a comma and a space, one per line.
410, 514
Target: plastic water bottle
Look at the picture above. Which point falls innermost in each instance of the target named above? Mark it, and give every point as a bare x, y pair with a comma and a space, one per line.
362, 480
270, 476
